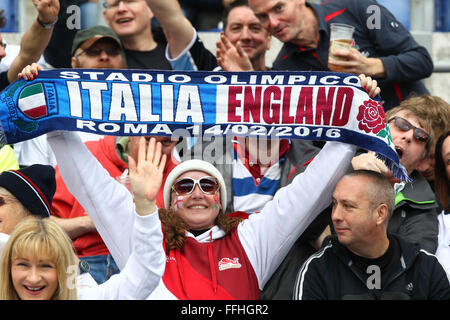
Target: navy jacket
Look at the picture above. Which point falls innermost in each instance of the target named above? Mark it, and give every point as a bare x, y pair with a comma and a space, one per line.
415, 214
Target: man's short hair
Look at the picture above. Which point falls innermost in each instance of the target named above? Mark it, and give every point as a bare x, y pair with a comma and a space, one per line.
231, 6
381, 189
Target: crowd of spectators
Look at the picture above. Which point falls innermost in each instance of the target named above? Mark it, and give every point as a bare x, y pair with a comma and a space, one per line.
316, 221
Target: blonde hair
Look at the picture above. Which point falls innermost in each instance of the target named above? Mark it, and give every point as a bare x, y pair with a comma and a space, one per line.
39, 237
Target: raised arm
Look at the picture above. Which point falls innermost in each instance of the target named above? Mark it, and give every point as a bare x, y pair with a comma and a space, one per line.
177, 28
144, 268
146, 265
36, 38
146, 175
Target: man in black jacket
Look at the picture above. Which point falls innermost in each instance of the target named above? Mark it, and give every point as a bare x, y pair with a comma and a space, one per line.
383, 48
363, 261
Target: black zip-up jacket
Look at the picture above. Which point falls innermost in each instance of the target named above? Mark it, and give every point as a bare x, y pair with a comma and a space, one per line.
415, 214
405, 61
330, 274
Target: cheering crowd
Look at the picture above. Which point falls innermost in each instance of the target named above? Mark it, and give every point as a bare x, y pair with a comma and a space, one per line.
127, 217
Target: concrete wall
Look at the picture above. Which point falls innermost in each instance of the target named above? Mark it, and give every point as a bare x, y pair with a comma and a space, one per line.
439, 83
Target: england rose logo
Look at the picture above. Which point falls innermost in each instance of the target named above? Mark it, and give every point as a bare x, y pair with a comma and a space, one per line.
371, 117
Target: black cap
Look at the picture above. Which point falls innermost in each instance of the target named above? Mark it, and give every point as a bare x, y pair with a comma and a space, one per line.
33, 186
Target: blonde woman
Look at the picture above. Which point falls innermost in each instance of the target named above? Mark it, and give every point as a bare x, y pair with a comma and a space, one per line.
38, 261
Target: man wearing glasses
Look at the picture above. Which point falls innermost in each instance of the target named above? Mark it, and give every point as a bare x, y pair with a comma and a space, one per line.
97, 47
131, 21
33, 42
412, 132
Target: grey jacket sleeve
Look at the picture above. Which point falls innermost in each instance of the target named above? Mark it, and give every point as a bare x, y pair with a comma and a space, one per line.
417, 226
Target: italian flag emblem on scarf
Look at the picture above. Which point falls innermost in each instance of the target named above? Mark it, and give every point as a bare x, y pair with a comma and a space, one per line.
32, 101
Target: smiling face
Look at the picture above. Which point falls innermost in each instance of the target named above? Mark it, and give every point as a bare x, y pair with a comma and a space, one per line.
243, 27
128, 18
285, 19
34, 278
197, 209
410, 150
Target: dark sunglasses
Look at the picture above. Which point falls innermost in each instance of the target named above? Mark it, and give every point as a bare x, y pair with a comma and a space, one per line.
94, 52
405, 125
3, 44
185, 186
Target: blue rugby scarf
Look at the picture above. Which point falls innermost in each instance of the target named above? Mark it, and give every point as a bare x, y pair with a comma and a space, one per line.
295, 105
